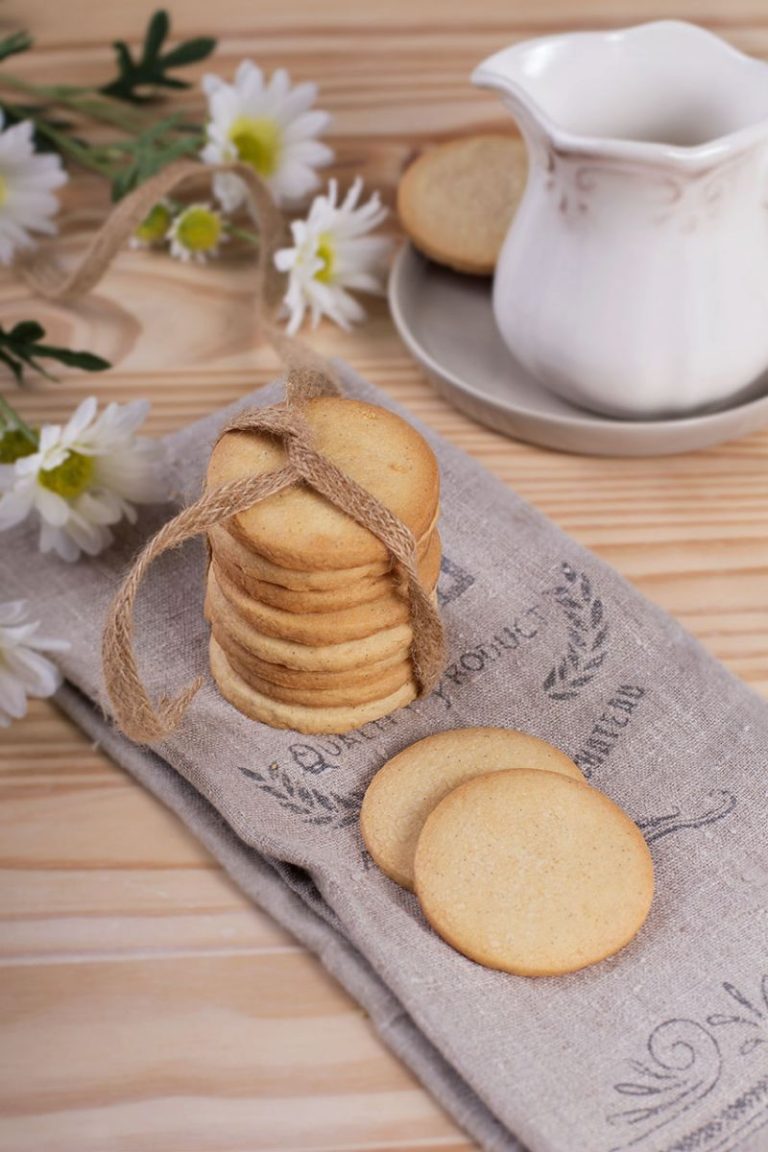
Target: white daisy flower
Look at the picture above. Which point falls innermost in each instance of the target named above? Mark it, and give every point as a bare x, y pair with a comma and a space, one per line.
269, 126
332, 253
196, 233
27, 179
83, 478
153, 229
24, 671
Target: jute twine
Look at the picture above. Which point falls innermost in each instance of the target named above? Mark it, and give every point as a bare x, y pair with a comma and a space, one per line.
309, 375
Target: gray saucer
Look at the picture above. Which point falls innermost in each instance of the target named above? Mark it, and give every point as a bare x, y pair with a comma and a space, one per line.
446, 321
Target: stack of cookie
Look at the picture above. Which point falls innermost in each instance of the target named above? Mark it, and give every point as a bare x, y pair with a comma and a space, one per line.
309, 622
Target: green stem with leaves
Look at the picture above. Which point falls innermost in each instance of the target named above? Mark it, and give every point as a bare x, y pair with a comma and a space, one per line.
86, 155
148, 143
80, 100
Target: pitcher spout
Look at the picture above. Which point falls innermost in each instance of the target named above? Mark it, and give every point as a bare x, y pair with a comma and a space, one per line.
666, 91
504, 72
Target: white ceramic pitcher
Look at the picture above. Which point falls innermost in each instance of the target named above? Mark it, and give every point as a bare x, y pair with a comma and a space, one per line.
634, 279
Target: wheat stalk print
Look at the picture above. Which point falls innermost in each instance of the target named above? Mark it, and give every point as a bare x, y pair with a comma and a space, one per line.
587, 635
309, 804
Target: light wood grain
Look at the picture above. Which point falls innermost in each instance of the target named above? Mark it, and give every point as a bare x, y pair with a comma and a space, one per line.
145, 1004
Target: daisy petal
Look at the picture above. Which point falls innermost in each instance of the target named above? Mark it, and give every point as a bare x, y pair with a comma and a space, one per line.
332, 253
262, 124
27, 179
24, 670
86, 476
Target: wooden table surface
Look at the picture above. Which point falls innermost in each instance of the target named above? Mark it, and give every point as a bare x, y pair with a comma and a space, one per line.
146, 1006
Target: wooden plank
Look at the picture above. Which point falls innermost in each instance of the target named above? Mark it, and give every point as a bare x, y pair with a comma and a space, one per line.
257, 1052
298, 20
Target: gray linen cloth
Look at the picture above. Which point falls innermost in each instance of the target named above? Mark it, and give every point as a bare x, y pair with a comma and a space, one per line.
663, 1048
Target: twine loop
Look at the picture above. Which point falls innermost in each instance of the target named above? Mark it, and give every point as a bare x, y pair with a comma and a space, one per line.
309, 376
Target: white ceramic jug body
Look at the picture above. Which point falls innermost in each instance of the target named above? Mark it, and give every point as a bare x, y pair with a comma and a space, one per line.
634, 278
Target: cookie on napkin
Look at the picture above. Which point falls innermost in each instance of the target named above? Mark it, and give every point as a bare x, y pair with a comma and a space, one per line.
533, 873
410, 785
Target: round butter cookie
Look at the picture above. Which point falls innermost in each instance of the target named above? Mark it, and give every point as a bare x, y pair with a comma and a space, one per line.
321, 693
532, 873
298, 528
225, 545
394, 641
403, 793
457, 200
351, 595
299, 717
237, 557
302, 679
315, 628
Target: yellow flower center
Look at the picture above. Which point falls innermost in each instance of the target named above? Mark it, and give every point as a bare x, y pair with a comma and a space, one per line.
3, 190
155, 225
199, 230
70, 478
13, 445
259, 142
325, 252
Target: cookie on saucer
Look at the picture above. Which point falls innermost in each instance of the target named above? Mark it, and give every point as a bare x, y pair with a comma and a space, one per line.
457, 200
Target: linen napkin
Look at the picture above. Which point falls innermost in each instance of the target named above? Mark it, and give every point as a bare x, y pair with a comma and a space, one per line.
663, 1048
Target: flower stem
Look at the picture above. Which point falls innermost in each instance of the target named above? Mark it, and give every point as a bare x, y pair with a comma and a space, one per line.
9, 418
84, 154
82, 100
243, 234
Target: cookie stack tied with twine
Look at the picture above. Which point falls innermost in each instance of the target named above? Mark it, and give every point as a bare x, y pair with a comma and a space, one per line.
310, 617
320, 515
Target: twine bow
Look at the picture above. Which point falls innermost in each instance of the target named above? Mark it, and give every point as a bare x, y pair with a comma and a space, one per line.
46, 278
309, 375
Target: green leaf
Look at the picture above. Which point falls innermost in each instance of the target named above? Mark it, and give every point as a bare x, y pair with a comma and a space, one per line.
15, 43
190, 52
27, 332
21, 348
87, 361
156, 147
124, 58
137, 77
158, 28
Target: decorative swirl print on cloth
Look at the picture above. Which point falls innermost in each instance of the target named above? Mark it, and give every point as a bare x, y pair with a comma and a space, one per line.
684, 1065
718, 804
687, 1060
752, 1015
